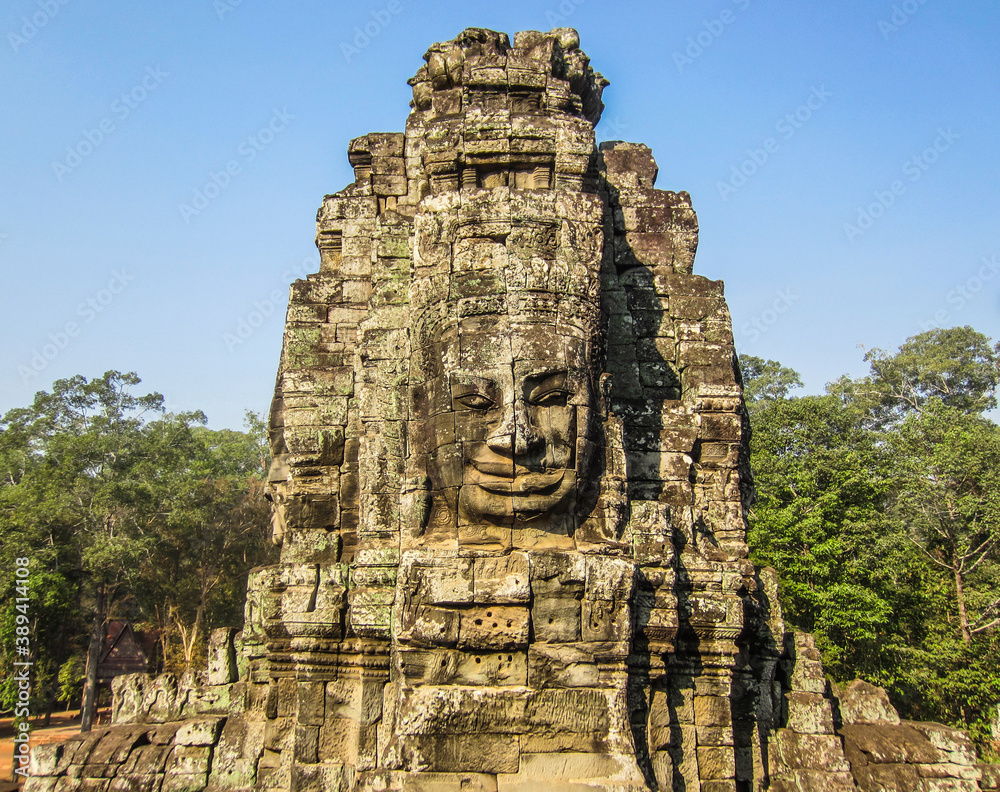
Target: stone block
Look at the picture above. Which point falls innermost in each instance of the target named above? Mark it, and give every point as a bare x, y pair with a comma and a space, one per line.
199, 732
234, 762
715, 736
184, 782
887, 778
809, 713
502, 668
463, 753
431, 625
575, 766
333, 777
443, 782
133, 784
609, 578
713, 711
190, 760
555, 619
716, 762
493, 627
445, 585
861, 702
728, 785
950, 785
989, 777
808, 676
452, 709
45, 758
571, 711
605, 620
558, 665
501, 580
39, 784
888, 744
954, 743
810, 751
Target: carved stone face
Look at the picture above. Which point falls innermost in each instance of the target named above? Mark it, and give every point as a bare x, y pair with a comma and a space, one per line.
513, 413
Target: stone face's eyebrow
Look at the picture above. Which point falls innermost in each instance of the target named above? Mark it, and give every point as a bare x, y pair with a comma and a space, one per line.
461, 385
539, 372
536, 370
539, 368
462, 380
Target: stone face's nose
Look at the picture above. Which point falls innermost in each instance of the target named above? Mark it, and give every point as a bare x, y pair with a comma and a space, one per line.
513, 436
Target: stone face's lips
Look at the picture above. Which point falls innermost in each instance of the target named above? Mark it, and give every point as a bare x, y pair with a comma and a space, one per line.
522, 484
502, 469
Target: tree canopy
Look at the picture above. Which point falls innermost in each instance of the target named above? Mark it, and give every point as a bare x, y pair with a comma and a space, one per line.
124, 511
878, 503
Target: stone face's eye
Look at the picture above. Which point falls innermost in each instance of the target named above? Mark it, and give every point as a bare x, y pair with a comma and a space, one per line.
475, 401
554, 397
548, 390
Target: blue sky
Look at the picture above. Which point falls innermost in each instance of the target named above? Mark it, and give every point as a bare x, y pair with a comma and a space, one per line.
842, 158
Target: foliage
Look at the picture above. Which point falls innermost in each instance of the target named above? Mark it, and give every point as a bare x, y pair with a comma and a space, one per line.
765, 381
948, 467
71, 676
957, 367
106, 493
212, 533
878, 503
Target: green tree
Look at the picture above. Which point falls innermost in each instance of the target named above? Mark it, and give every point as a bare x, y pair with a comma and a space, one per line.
846, 572
52, 596
957, 366
879, 506
766, 380
948, 495
87, 464
210, 533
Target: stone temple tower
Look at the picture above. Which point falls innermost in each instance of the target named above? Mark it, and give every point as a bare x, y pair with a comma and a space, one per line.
509, 484
508, 440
